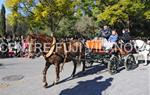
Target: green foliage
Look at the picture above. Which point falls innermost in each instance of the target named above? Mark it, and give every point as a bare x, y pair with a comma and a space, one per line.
147, 15
86, 26
66, 17
40, 12
2, 21
66, 27
121, 11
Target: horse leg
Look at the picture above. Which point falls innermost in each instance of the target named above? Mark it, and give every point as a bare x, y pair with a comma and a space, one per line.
47, 65
83, 68
62, 66
145, 58
74, 69
57, 68
79, 61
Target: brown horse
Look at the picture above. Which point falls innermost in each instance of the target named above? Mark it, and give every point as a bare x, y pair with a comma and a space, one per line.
58, 53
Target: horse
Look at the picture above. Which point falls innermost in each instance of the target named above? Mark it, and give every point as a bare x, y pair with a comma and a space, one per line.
58, 53
143, 48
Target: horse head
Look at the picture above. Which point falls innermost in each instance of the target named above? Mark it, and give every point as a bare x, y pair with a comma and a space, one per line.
40, 43
141, 46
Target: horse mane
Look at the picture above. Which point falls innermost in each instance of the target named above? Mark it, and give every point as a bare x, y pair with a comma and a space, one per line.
41, 37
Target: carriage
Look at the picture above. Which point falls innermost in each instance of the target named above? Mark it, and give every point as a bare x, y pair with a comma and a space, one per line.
112, 59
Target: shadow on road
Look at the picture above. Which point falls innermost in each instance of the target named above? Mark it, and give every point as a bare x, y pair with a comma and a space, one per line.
95, 69
89, 87
90, 71
142, 61
1, 64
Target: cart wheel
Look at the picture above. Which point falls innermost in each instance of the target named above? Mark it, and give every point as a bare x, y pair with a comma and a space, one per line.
130, 62
113, 65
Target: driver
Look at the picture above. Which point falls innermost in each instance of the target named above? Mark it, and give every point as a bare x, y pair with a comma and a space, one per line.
105, 32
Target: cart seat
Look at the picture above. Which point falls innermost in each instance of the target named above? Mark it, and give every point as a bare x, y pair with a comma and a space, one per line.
94, 44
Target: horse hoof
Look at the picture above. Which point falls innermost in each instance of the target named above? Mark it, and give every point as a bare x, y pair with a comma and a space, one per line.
145, 64
45, 85
55, 83
72, 76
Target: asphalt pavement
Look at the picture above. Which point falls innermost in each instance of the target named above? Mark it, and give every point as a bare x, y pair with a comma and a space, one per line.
22, 76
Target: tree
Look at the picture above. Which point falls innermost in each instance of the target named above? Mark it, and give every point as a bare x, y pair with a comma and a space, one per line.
3, 20
54, 15
132, 14
121, 12
147, 10
88, 7
86, 26
40, 13
66, 27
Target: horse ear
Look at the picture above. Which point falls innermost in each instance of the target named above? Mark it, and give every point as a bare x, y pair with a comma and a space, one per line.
52, 35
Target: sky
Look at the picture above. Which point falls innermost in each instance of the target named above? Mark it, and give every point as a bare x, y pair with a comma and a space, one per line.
2, 2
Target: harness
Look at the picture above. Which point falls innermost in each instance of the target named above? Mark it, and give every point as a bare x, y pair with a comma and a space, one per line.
51, 49
142, 48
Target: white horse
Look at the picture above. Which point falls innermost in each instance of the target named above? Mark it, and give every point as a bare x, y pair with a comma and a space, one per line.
142, 48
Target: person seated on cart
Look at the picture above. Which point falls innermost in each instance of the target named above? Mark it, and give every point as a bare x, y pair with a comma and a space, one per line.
126, 35
108, 44
105, 32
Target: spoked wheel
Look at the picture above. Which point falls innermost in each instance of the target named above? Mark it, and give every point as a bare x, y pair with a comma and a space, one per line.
130, 62
113, 65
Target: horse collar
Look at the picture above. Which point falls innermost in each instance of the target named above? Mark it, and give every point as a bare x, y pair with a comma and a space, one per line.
51, 48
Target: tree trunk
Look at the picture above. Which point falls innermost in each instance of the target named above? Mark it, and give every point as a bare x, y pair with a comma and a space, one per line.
14, 30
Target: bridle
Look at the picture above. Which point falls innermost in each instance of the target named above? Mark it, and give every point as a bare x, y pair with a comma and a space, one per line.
52, 46
142, 48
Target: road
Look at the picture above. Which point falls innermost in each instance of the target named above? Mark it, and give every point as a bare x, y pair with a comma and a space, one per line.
21, 76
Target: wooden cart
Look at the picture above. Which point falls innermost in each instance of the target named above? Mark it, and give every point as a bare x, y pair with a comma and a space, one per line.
112, 59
